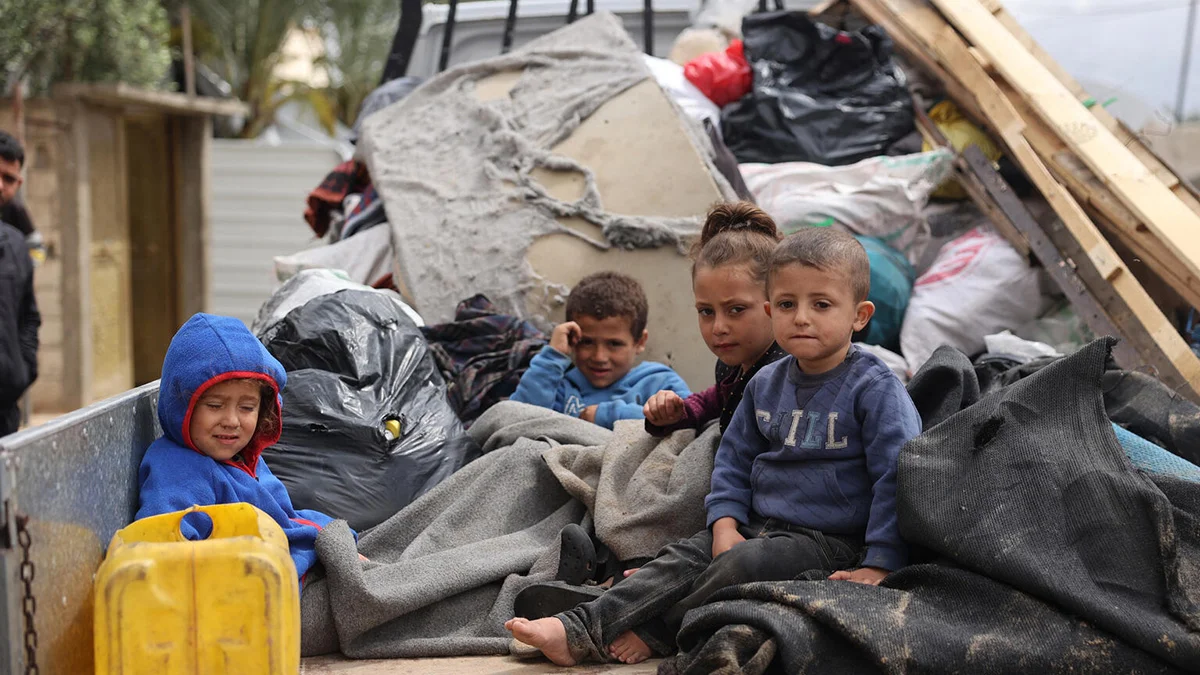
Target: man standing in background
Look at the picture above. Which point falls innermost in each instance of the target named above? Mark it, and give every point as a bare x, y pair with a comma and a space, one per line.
19, 317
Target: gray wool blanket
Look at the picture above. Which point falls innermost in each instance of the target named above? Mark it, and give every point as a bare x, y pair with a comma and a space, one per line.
443, 573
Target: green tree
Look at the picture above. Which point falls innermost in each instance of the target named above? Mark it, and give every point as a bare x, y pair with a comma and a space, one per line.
358, 37
47, 41
241, 41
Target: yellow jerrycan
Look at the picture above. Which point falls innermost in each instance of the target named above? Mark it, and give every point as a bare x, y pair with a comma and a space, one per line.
227, 605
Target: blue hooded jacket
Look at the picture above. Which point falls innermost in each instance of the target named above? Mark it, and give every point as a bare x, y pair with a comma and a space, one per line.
174, 475
553, 382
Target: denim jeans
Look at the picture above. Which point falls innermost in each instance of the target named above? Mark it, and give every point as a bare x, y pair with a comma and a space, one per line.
652, 602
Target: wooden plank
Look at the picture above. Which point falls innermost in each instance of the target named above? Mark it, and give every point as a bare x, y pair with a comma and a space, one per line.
1127, 136
192, 156
124, 95
1088, 188
76, 233
1003, 224
911, 48
940, 39
1136, 344
1153, 202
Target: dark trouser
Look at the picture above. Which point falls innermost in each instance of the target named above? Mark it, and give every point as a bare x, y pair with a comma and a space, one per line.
653, 601
10, 420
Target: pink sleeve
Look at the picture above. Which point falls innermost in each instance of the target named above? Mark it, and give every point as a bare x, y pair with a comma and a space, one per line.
697, 409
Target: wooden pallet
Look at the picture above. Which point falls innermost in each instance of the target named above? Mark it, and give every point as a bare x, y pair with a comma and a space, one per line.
1020, 121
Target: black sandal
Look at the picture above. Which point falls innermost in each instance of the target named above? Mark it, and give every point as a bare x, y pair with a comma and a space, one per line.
576, 556
553, 597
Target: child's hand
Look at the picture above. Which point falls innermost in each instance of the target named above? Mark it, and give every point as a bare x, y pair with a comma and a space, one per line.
565, 336
725, 536
664, 409
589, 414
870, 576
363, 558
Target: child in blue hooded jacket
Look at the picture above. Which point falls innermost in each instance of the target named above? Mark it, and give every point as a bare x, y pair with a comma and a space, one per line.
588, 370
219, 407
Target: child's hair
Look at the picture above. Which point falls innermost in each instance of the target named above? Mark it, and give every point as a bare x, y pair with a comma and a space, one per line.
736, 233
269, 423
606, 294
827, 249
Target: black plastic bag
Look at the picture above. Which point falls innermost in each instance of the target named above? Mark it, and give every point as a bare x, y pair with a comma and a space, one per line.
366, 424
820, 95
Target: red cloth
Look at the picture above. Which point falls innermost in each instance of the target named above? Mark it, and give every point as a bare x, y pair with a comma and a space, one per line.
346, 178
724, 77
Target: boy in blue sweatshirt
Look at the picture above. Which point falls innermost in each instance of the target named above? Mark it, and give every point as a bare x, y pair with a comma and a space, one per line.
588, 370
219, 407
804, 478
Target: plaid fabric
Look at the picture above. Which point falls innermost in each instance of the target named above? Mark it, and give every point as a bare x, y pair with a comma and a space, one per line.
346, 178
482, 355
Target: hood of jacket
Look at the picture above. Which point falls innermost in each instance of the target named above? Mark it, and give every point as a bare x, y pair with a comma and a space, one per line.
206, 351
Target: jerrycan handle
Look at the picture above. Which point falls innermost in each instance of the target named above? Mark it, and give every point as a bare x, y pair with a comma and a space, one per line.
227, 520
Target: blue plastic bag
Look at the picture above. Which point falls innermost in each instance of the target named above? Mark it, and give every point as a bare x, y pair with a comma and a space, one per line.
892, 278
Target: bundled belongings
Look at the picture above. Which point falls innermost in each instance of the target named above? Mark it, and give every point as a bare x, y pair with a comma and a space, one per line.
979, 285
1052, 553
482, 354
366, 426
820, 95
881, 197
1097, 177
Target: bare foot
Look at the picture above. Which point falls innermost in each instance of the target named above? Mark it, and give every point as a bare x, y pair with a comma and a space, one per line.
548, 635
630, 572
629, 648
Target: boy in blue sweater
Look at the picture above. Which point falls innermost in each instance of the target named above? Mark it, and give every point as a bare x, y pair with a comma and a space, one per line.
219, 407
588, 370
804, 479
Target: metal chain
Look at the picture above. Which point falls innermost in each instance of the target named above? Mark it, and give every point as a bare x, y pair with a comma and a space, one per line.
28, 603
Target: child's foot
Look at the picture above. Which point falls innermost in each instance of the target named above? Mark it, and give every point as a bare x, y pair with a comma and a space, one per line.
629, 648
548, 635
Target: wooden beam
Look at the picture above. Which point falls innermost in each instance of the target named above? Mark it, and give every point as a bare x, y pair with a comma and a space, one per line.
1126, 135
1130, 180
1116, 219
75, 219
934, 136
911, 47
1130, 353
192, 155
951, 52
122, 95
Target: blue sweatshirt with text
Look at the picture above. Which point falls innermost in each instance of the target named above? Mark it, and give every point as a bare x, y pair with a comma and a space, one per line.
819, 452
553, 382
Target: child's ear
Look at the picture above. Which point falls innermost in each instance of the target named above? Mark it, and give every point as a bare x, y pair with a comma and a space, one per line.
767, 307
863, 314
640, 345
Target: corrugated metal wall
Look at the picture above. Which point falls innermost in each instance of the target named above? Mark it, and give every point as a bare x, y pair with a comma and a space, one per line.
258, 198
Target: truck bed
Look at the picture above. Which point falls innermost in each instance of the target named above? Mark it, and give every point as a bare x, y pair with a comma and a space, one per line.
336, 665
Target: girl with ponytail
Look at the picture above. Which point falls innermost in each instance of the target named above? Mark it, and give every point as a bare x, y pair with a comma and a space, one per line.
729, 281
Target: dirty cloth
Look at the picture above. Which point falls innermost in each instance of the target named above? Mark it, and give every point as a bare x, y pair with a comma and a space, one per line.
347, 178
476, 175
482, 354
443, 573
1052, 554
